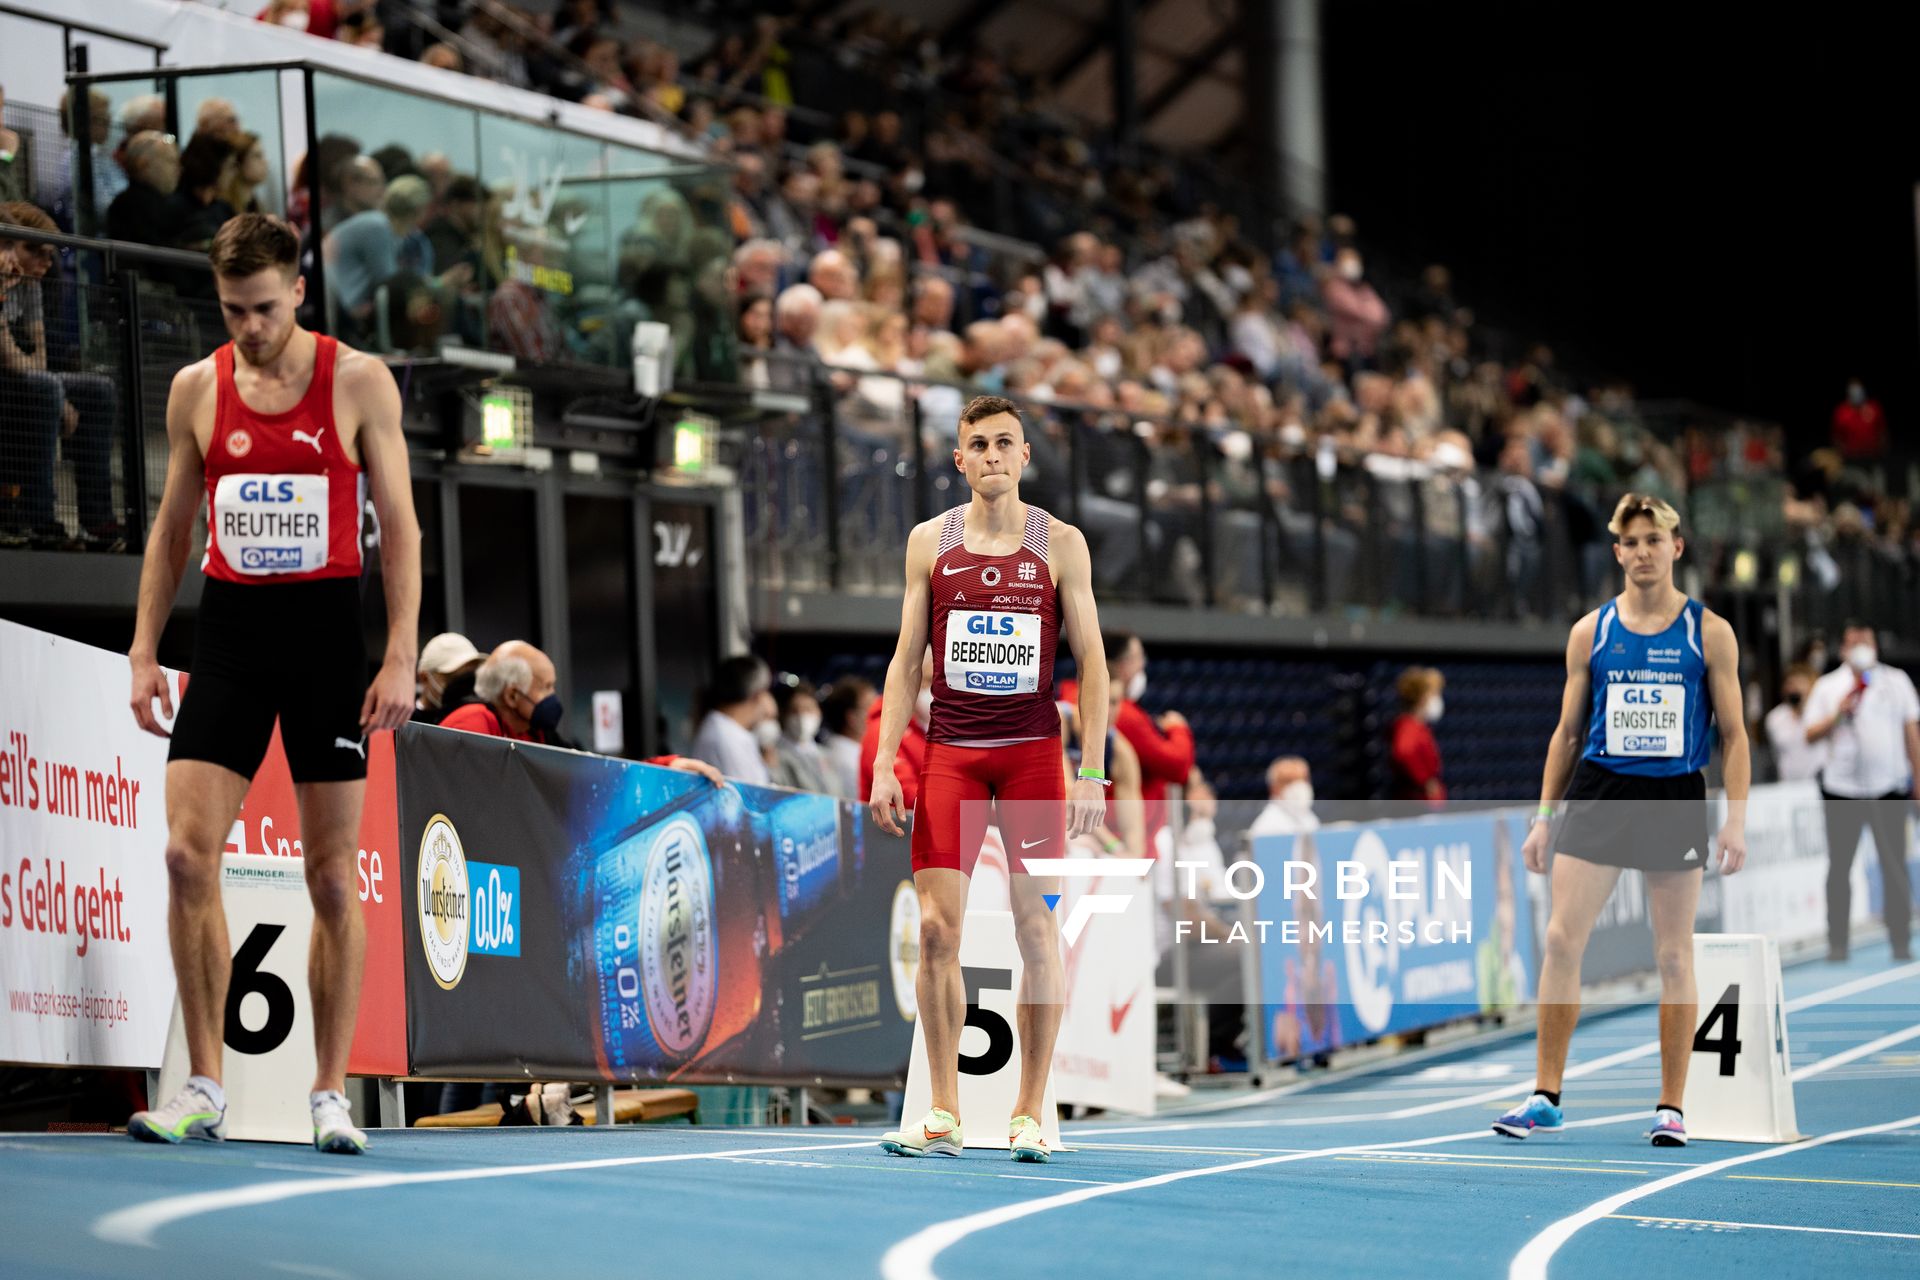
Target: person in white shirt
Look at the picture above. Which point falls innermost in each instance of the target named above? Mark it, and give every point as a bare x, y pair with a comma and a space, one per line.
844, 712
797, 759
1794, 758
740, 726
1869, 716
1289, 808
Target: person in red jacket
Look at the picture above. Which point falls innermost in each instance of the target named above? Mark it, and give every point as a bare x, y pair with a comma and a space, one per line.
1859, 426
1414, 754
1164, 746
517, 687
912, 757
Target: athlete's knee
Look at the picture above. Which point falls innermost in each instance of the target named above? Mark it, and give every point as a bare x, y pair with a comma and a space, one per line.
1675, 960
939, 940
331, 886
193, 874
1039, 940
1565, 943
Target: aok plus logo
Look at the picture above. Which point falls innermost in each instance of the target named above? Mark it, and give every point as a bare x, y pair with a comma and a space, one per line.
1089, 905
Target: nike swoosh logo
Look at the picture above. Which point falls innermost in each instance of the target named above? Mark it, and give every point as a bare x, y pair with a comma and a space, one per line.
1118, 1013
1028, 844
936, 1133
948, 573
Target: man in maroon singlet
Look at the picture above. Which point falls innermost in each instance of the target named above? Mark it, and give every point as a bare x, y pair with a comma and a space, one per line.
993, 585
285, 432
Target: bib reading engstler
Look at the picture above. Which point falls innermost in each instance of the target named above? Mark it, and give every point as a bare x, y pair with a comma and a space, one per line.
1651, 715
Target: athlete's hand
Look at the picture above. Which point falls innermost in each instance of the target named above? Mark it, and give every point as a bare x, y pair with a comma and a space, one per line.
1733, 846
1086, 808
887, 801
1535, 848
150, 682
688, 764
389, 699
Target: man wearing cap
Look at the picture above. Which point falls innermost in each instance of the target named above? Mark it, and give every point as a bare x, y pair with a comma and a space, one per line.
444, 677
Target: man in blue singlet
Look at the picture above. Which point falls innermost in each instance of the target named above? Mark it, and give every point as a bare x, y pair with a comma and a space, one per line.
1650, 675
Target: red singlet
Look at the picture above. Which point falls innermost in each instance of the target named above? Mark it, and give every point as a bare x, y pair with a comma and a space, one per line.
283, 498
993, 753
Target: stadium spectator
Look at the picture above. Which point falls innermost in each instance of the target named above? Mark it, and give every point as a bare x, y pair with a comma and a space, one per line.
1164, 744
358, 186
520, 318
241, 190
1794, 758
911, 760
57, 195
454, 233
740, 724
754, 339
318, 18
1868, 716
1356, 317
797, 759
144, 213
217, 118
143, 113
1289, 808
48, 410
16, 159
516, 696
444, 676
1860, 426
1413, 755
207, 167
796, 321
844, 712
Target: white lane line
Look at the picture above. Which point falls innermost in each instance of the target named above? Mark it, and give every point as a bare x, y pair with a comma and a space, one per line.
137, 1223
1866, 1050
913, 1257
1531, 1262
308, 1269
1195, 1151
1034, 1177
1513, 1088
1762, 1226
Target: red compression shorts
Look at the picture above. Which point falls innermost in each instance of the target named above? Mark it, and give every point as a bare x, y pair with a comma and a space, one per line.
1028, 783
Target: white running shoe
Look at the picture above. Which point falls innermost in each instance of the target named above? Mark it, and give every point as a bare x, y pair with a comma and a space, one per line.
937, 1135
333, 1129
189, 1114
1024, 1141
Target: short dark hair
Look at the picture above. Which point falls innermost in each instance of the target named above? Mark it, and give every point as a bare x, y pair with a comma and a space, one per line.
736, 680
981, 407
252, 242
1860, 624
202, 159
1116, 643
842, 699
461, 187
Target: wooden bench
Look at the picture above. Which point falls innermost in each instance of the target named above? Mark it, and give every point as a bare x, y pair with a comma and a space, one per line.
630, 1106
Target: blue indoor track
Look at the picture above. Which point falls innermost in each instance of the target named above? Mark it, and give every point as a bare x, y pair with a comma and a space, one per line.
1388, 1170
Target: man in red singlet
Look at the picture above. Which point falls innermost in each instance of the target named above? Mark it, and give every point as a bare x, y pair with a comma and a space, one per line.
285, 432
993, 584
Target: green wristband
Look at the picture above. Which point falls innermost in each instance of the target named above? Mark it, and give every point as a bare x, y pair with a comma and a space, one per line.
1094, 775
1544, 811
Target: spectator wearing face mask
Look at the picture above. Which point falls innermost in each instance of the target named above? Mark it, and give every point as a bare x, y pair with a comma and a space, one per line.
1794, 758
845, 713
1289, 808
797, 759
912, 757
1164, 745
444, 678
1414, 755
740, 725
1869, 716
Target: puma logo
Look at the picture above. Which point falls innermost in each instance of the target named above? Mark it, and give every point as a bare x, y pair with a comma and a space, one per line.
313, 439
948, 573
1028, 844
358, 748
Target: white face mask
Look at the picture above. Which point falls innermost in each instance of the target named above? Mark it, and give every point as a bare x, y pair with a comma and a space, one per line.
806, 727
1297, 798
1862, 657
297, 19
1136, 687
1433, 708
766, 733
1351, 269
923, 708
1107, 364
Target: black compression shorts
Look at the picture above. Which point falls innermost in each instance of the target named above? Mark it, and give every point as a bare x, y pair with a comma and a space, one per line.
292, 650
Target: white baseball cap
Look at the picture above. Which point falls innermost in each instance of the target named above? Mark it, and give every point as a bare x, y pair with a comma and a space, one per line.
448, 654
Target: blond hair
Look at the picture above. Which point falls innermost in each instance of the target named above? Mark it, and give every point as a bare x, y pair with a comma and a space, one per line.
1634, 505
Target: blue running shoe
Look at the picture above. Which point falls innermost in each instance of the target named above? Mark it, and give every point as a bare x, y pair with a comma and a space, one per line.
1535, 1115
1669, 1128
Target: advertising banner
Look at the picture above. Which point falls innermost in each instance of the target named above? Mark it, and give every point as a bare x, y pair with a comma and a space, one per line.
83, 878
269, 825
1372, 929
574, 917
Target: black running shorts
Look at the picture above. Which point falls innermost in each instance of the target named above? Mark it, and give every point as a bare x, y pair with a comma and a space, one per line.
292, 650
1624, 820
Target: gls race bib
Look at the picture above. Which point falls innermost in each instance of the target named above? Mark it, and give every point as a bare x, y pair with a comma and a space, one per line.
1646, 719
266, 524
992, 653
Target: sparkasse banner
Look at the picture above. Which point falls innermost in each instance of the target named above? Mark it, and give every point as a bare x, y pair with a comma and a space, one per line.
83, 880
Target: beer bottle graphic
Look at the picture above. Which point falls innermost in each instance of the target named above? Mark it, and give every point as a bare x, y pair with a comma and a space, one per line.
684, 915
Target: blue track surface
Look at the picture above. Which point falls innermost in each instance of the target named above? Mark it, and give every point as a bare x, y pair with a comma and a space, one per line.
1387, 1171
